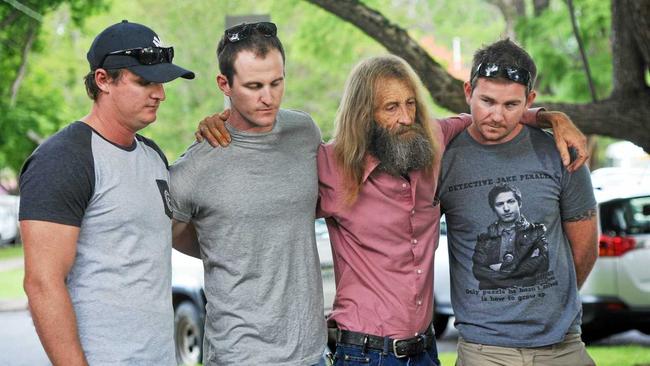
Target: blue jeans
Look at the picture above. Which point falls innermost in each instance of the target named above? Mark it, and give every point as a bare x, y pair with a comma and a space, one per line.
348, 355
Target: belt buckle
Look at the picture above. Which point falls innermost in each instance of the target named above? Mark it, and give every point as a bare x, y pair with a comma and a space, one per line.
397, 355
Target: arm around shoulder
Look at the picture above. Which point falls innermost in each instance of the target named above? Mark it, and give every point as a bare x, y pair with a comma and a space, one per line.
50, 251
567, 136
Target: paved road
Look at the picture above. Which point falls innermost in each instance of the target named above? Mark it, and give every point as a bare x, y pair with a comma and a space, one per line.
19, 344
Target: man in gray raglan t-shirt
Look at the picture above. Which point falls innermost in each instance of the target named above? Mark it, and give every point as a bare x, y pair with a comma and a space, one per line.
252, 207
95, 215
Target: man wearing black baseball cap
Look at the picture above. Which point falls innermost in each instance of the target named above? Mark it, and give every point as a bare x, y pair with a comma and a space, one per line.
95, 214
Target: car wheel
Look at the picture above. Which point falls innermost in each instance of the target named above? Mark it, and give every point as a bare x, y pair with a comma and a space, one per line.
188, 334
440, 324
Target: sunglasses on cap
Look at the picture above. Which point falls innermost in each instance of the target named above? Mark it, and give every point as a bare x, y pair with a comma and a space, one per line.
242, 31
512, 73
145, 55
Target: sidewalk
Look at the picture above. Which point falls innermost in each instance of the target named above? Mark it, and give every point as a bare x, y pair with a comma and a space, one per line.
13, 304
13, 263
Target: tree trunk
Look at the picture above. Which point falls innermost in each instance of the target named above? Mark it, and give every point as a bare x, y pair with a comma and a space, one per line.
625, 114
539, 6
511, 10
628, 63
640, 25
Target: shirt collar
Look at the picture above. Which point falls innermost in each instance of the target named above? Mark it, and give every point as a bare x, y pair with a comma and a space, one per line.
370, 164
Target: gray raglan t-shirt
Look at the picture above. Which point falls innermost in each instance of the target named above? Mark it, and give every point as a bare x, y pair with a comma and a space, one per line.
512, 287
120, 282
253, 206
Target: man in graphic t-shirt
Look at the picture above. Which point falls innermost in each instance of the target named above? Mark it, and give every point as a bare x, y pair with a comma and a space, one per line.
515, 287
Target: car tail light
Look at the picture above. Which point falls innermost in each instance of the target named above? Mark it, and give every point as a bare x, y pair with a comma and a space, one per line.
615, 246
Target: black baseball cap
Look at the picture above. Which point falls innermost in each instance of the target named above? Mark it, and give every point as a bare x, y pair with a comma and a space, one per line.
133, 36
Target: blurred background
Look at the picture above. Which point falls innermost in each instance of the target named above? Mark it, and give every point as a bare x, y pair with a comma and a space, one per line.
592, 58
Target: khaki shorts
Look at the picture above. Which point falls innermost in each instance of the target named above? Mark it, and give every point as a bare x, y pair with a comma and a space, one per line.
571, 351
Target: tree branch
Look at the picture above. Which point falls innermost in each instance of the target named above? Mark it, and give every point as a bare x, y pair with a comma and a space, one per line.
9, 18
539, 6
15, 86
511, 10
581, 47
623, 115
444, 89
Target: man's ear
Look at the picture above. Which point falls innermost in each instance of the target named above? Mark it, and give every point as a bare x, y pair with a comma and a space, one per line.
103, 80
530, 98
222, 83
467, 87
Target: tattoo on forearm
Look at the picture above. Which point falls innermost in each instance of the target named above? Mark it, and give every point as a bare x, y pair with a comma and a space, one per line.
587, 215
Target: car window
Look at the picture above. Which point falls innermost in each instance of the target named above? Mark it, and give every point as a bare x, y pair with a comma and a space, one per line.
626, 216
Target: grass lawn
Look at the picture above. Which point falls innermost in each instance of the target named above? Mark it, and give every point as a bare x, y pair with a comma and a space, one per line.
602, 355
11, 284
11, 252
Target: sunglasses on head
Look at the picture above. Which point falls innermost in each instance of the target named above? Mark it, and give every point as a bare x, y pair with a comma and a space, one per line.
512, 73
242, 31
145, 55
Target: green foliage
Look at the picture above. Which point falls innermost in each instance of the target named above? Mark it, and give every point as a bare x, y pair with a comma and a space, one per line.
620, 355
321, 50
38, 104
603, 356
550, 40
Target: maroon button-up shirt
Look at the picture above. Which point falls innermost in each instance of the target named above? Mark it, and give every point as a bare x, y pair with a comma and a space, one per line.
384, 243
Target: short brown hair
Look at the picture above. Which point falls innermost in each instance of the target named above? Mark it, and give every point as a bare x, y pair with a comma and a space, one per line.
91, 86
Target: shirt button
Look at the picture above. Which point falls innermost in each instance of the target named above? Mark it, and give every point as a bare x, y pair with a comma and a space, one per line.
414, 241
419, 302
412, 212
419, 271
403, 185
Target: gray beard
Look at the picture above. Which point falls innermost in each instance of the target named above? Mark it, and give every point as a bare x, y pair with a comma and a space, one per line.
397, 153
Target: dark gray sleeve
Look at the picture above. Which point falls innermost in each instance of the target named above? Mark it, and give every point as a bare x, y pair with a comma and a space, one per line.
57, 181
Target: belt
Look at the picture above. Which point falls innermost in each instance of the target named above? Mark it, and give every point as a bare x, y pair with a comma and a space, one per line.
399, 347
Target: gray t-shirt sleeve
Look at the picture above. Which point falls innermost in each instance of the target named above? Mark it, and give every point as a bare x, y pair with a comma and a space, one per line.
577, 193
182, 175
57, 181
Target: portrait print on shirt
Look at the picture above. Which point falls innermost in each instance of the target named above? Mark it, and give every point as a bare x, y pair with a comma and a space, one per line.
512, 251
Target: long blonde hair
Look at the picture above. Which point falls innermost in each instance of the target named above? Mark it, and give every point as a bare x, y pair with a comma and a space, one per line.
354, 118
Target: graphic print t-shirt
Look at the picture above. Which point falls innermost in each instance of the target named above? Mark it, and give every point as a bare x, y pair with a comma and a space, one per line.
513, 279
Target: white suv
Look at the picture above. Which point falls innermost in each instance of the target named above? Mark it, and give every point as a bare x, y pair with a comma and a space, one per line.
616, 295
